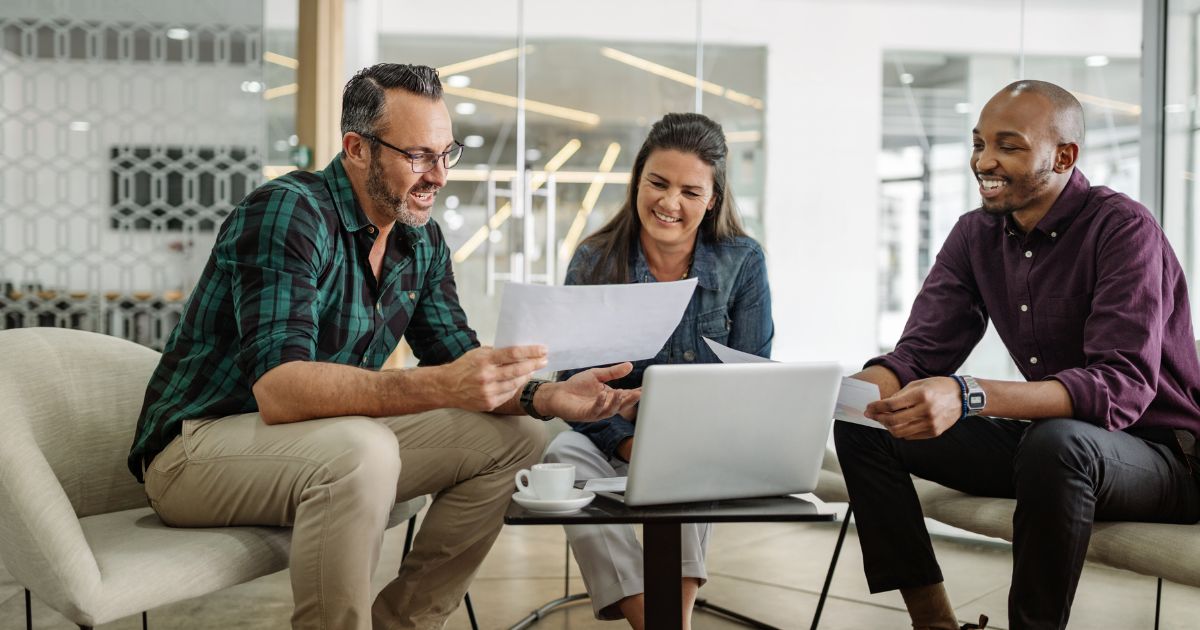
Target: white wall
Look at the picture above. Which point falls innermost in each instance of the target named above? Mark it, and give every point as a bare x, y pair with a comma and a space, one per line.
822, 115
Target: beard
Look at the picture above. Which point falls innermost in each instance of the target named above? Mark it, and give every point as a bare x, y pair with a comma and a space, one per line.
386, 200
1022, 192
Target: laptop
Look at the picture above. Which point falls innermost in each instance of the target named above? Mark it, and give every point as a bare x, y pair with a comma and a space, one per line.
729, 431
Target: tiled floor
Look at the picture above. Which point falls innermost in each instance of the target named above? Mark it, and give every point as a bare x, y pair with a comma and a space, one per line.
771, 571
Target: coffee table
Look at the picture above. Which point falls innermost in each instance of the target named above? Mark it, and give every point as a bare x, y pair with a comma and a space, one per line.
662, 556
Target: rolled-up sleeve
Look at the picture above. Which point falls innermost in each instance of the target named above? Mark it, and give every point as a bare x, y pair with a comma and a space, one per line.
947, 319
606, 434
1122, 344
268, 249
752, 328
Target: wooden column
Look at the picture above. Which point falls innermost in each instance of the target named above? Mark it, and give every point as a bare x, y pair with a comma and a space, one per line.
320, 44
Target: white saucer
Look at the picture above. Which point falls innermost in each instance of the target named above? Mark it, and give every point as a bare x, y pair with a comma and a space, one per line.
575, 501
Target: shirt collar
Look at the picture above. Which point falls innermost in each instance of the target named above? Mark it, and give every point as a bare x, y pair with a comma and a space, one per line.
704, 264
1070, 201
353, 217
351, 213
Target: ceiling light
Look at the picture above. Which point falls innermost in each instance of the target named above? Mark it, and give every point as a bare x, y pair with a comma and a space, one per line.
473, 141
962, 108
1096, 61
253, 87
743, 136
281, 60
557, 111
451, 202
453, 220
458, 80
465, 108
589, 201
178, 34
906, 79
480, 62
1175, 108
532, 155
1132, 109
79, 125
282, 90
682, 77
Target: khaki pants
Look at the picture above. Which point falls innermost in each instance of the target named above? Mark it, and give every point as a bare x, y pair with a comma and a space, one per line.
335, 481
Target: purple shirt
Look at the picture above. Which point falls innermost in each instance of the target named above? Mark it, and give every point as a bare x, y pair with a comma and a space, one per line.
1093, 297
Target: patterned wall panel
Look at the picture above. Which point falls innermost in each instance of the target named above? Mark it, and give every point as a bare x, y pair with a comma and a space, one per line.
127, 133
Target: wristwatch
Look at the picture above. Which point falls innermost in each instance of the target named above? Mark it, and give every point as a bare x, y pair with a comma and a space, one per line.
974, 398
527, 398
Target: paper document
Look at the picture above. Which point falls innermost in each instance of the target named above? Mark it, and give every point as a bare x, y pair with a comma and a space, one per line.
590, 325
608, 484
852, 401
853, 396
729, 355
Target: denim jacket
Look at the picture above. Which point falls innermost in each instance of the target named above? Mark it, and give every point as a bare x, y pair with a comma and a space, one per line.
731, 305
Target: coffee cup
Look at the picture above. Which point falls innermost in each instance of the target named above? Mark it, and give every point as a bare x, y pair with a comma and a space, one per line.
550, 482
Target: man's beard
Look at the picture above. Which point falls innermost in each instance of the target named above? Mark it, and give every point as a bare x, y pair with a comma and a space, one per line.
1028, 186
395, 206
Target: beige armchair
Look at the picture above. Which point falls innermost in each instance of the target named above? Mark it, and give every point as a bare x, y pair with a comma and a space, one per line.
75, 528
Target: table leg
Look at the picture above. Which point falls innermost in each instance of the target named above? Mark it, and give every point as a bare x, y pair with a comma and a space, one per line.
662, 560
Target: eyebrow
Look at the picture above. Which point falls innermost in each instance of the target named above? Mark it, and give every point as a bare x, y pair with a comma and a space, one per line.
695, 186
1004, 134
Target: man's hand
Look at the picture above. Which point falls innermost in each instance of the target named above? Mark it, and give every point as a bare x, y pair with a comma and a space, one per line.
486, 378
922, 409
625, 449
586, 397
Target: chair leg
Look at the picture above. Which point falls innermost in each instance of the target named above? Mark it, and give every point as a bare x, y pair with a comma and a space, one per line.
1158, 604
470, 611
837, 551
28, 612
408, 536
145, 623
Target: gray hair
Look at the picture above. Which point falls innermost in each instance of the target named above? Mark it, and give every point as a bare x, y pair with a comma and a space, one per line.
364, 96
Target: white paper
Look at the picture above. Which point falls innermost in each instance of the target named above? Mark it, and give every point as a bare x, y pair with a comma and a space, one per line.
852, 401
606, 484
853, 396
729, 355
589, 325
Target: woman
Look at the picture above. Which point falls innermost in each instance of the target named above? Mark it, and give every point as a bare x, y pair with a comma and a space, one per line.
678, 222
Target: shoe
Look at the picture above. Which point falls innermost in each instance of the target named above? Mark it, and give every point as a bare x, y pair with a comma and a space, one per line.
976, 626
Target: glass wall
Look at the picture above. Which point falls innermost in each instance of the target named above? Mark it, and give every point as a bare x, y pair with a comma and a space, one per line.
1181, 198
931, 101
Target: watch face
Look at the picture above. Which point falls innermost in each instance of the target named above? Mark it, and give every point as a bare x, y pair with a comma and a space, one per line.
975, 401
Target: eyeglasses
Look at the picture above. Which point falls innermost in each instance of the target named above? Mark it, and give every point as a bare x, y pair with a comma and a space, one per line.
424, 162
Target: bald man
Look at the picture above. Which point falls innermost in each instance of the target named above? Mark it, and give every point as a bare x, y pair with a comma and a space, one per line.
1088, 297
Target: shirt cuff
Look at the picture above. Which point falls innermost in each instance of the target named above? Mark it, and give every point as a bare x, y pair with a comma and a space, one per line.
265, 354
606, 434
1089, 404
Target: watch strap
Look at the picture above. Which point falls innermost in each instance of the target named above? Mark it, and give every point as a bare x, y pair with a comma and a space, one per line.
527, 393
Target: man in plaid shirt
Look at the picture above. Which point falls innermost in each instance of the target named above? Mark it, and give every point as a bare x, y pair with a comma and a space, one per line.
269, 406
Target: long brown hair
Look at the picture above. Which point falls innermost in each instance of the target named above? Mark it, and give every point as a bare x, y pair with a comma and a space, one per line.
696, 134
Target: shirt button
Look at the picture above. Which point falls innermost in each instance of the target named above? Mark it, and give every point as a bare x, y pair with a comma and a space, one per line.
1033, 360
1029, 254
1054, 235
412, 295
378, 308
689, 356
1024, 307
370, 229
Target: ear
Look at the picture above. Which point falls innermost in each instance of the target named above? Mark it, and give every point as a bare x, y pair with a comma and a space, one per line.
1065, 157
356, 149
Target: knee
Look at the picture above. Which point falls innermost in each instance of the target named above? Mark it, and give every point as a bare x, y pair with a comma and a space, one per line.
851, 440
364, 459
1054, 449
527, 437
565, 448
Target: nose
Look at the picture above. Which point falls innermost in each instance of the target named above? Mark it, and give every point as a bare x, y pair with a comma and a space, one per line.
669, 201
437, 175
986, 160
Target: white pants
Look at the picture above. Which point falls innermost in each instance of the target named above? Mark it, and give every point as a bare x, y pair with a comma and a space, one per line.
609, 556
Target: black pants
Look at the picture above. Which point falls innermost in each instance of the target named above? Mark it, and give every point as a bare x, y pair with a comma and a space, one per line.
1064, 474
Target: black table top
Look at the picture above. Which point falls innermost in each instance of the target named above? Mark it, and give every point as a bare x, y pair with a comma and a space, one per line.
608, 511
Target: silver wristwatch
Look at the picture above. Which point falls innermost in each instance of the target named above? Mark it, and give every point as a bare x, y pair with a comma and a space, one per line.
975, 398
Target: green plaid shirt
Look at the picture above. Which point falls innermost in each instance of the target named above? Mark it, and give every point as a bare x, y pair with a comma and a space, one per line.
289, 280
